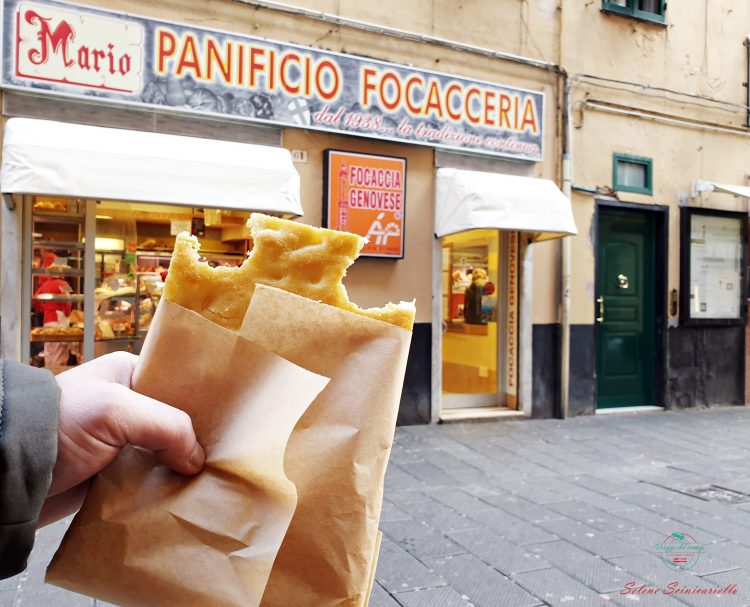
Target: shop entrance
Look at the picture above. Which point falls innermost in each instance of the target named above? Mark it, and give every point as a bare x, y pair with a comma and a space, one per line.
626, 326
476, 312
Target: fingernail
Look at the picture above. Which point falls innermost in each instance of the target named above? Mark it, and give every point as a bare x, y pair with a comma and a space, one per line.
197, 457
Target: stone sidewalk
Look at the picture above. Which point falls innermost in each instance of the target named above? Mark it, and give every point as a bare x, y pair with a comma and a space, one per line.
559, 513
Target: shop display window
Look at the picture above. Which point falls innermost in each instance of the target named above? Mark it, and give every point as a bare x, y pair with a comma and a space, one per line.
57, 282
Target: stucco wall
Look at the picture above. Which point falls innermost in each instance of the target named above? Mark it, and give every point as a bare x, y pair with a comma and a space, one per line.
523, 28
679, 155
699, 52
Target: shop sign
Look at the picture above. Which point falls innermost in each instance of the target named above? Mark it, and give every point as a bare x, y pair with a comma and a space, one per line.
511, 340
365, 195
65, 49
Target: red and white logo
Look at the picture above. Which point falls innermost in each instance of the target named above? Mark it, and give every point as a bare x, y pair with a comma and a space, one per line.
57, 45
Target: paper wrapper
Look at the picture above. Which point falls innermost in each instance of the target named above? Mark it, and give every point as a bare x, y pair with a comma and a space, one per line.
147, 536
338, 452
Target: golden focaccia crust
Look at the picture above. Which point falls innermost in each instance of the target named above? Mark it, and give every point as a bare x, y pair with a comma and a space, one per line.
292, 256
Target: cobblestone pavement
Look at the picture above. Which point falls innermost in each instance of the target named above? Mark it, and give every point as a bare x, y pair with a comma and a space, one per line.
559, 513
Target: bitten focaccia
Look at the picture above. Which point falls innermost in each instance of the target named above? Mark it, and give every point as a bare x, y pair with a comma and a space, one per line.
291, 256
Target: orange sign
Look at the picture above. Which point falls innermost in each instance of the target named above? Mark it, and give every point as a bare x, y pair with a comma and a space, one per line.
365, 195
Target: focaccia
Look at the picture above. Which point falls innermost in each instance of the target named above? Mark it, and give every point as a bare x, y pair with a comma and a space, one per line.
295, 257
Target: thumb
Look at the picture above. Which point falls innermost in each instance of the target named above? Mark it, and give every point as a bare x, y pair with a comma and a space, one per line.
152, 424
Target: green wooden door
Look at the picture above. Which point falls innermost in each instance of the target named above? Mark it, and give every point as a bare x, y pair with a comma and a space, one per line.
625, 292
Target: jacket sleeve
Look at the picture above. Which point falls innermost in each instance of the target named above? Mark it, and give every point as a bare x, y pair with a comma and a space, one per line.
29, 404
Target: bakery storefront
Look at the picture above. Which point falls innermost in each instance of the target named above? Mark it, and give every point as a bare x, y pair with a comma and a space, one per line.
121, 131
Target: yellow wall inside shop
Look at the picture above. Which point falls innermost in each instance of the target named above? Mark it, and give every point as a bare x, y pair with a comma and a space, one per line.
374, 282
469, 349
472, 350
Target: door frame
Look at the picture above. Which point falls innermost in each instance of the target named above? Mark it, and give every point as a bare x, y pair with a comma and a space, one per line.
660, 214
524, 380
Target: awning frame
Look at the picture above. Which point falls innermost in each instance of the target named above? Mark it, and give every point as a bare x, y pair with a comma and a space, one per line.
466, 200
44, 157
700, 186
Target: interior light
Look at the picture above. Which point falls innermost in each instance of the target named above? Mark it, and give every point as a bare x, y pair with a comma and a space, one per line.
109, 244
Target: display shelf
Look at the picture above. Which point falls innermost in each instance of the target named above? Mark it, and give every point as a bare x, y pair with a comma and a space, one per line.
58, 244
57, 217
160, 252
50, 297
65, 272
56, 338
167, 253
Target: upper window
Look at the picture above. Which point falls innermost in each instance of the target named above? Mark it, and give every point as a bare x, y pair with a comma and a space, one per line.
632, 174
648, 10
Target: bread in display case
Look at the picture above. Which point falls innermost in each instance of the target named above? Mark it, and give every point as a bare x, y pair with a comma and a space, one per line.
119, 271
56, 282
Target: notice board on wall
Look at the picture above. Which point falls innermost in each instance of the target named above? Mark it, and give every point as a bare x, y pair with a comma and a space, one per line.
366, 194
713, 266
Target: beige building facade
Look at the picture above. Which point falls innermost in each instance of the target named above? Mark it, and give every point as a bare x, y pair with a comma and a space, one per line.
667, 88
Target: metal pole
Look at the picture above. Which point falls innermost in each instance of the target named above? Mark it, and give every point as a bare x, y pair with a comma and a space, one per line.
565, 257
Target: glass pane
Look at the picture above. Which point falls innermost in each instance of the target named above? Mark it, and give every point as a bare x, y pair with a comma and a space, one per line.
134, 250
115, 318
623, 3
470, 342
650, 6
56, 336
632, 174
715, 266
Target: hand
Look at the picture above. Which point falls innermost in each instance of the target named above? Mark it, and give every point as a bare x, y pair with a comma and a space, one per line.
99, 415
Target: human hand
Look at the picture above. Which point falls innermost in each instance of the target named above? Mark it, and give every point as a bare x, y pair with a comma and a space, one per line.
99, 415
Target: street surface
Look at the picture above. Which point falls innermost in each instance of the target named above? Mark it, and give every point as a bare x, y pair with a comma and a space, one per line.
549, 512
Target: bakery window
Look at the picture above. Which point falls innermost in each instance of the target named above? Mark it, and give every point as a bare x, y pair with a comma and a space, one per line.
57, 280
129, 251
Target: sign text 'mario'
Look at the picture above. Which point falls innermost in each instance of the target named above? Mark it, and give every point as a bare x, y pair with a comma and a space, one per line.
80, 51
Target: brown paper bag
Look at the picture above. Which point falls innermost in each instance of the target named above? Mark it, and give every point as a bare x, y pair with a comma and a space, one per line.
339, 450
149, 537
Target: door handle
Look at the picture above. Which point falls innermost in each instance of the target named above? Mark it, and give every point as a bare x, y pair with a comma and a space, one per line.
600, 301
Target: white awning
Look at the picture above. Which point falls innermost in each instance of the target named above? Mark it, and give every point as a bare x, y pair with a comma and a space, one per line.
467, 200
723, 188
58, 159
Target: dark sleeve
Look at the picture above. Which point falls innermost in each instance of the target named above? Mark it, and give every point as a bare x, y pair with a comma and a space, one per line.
29, 402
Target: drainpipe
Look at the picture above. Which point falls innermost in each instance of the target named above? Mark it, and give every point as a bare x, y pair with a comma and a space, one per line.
565, 252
